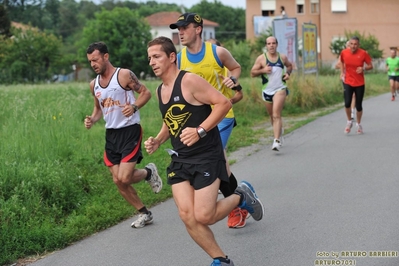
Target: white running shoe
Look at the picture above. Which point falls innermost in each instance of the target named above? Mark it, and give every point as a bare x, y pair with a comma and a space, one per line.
143, 220
359, 129
348, 127
276, 145
155, 180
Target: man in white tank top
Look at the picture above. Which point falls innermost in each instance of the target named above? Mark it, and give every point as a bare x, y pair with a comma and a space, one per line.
114, 99
270, 66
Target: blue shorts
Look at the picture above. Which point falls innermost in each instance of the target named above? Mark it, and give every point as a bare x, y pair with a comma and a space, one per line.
225, 128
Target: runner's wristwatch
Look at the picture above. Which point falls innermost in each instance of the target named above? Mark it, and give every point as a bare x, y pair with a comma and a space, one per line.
135, 107
201, 132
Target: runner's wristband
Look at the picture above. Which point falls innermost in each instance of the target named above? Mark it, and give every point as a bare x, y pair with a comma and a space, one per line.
237, 88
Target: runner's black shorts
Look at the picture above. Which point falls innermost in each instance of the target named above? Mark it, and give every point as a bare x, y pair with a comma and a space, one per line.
123, 145
394, 78
199, 175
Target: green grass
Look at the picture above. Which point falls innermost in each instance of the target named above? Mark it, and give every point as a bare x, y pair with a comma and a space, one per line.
54, 188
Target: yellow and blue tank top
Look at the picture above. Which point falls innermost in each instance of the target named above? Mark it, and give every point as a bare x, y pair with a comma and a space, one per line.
207, 65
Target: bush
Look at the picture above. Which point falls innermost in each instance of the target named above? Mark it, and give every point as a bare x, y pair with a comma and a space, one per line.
369, 43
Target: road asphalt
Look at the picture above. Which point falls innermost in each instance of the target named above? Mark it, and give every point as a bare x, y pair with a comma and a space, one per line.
330, 199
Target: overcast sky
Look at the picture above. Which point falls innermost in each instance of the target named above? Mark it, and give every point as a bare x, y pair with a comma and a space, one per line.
190, 3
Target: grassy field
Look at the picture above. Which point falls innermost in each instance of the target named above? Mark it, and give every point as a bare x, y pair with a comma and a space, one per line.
54, 188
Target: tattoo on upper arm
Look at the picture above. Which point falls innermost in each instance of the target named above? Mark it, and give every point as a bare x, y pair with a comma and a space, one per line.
135, 81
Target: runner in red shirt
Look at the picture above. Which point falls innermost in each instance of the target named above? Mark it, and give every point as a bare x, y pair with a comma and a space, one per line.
352, 74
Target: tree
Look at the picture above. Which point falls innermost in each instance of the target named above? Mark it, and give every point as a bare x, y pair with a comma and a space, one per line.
369, 43
29, 56
126, 34
241, 52
231, 24
337, 46
68, 12
51, 7
152, 7
5, 23
259, 44
19, 11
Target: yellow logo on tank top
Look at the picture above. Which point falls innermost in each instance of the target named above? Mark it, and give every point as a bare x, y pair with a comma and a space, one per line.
176, 122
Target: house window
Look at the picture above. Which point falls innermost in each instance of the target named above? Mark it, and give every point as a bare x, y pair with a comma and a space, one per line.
175, 38
268, 7
300, 6
338, 6
267, 13
314, 6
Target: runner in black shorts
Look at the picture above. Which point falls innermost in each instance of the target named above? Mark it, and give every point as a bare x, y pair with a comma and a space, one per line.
354, 62
392, 67
198, 164
114, 91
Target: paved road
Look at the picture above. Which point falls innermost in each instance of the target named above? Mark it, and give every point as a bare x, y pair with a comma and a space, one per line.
324, 192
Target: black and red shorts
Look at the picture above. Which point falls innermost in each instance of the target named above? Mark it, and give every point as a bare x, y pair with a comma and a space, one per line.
123, 145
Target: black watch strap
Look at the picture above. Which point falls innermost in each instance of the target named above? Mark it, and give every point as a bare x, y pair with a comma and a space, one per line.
135, 107
233, 79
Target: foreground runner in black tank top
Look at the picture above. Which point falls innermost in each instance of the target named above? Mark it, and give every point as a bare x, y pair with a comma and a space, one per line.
197, 160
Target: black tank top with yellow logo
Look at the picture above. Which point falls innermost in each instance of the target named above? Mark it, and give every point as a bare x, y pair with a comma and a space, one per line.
178, 114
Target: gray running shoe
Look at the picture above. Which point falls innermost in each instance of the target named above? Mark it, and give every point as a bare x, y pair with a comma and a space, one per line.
143, 220
250, 201
217, 262
155, 180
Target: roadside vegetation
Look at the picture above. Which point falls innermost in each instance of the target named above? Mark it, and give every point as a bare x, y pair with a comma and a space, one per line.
54, 188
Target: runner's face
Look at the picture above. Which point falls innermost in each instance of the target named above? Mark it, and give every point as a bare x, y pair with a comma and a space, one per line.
353, 45
393, 53
158, 60
96, 60
188, 34
271, 45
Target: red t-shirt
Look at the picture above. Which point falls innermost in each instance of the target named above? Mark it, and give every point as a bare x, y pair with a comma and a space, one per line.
353, 61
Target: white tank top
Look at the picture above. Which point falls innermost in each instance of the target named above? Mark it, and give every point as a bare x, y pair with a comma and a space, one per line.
273, 82
112, 100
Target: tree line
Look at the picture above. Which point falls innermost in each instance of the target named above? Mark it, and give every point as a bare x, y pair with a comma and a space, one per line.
60, 30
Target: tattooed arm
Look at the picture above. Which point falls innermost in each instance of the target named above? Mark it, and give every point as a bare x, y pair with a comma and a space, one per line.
129, 81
